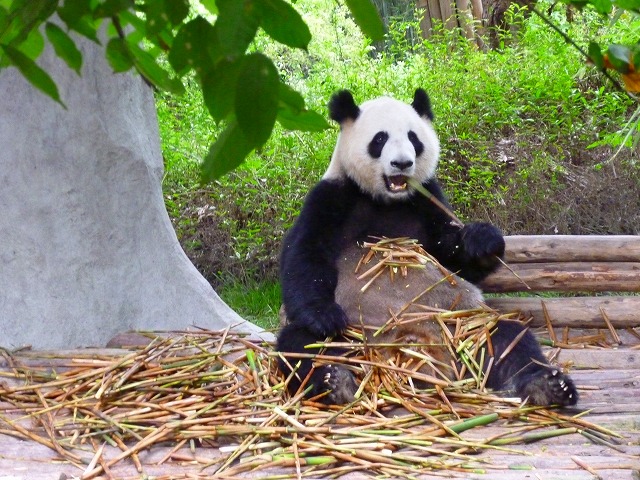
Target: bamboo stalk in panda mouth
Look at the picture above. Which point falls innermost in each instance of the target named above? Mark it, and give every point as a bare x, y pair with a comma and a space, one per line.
419, 188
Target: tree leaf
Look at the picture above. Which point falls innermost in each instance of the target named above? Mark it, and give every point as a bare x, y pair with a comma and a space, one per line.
195, 46
161, 13
256, 103
236, 25
366, 16
219, 88
227, 152
620, 57
33, 73
109, 8
78, 16
284, 24
602, 6
595, 55
154, 73
305, 120
290, 98
64, 46
633, 5
33, 45
118, 55
210, 5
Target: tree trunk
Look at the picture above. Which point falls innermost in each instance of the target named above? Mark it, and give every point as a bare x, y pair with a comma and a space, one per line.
88, 250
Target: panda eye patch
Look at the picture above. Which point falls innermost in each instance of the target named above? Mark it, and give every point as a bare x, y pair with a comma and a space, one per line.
377, 144
415, 141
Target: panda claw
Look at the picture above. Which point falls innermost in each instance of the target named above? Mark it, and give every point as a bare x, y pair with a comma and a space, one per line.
340, 383
548, 387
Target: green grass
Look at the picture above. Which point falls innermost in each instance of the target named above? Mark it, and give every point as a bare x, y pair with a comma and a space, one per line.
514, 126
256, 302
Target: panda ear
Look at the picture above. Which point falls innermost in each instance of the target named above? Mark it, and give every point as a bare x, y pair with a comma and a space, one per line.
342, 106
422, 104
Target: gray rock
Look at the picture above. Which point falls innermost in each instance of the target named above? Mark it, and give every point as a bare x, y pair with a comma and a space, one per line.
87, 248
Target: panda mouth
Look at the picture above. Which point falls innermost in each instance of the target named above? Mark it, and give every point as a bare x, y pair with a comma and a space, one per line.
396, 183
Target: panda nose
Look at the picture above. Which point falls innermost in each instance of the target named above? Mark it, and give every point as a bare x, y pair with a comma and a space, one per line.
401, 164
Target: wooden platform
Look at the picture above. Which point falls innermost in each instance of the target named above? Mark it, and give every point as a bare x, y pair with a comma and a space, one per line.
608, 381
596, 338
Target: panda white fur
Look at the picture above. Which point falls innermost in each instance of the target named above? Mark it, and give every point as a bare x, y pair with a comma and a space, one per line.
366, 193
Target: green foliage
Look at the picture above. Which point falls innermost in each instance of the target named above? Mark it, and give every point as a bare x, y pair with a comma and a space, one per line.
513, 126
167, 41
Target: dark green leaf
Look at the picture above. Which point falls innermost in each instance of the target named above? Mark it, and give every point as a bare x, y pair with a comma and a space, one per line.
595, 55
112, 7
602, 6
620, 57
177, 10
305, 120
257, 97
635, 51
118, 55
78, 16
290, 98
633, 5
161, 13
284, 24
236, 25
154, 73
227, 152
219, 87
64, 47
4, 19
366, 16
35, 12
33, 73
194, 47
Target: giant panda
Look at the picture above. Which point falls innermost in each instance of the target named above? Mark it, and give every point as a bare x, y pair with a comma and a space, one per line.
366, 192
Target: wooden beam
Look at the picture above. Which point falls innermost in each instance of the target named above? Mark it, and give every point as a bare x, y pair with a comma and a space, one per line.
565, 277
575, 312
572, 248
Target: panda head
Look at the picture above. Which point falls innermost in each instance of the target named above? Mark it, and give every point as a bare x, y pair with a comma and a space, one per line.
383, 143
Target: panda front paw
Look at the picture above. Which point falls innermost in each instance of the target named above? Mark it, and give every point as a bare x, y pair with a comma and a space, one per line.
481, 240
548, 386
325, 320
338, 381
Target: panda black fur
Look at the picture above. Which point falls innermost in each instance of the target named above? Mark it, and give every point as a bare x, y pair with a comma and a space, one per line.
365, 193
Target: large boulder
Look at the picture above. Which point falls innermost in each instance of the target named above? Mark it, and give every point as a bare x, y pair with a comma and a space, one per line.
88, 249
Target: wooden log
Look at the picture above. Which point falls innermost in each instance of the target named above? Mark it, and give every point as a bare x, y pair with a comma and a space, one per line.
425, 22
465, 18
447, 12
565, 277
575, 312
572, 248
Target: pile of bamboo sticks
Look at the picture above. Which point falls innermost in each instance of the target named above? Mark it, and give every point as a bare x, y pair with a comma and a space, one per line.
218, 390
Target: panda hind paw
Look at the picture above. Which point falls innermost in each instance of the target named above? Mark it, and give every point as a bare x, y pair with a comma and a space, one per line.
339, 382
549, 386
